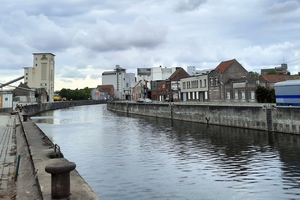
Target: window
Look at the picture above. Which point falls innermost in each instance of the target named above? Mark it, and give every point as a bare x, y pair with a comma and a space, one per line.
163, 86
243, 95
200, 83
228, 95
216, 81
211, 82
184, 85
43, 84
204, 82
252, 94
236, 95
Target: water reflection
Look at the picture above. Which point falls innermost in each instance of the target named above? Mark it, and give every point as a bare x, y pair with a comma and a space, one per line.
135, 157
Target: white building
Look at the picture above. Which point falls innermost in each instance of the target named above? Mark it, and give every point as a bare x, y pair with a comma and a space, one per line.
123, 82
154, 73
195, 88
41, 75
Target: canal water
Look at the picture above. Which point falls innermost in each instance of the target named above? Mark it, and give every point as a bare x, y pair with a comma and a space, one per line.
136, 158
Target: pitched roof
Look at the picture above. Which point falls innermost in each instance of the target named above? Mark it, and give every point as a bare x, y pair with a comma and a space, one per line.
224, 65
178, 74
274, 78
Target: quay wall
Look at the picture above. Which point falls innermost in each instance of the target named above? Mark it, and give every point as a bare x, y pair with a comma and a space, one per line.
40, 147
266, 117
33, 109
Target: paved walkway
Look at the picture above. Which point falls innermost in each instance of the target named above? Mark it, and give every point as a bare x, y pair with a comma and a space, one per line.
31, 185
7, 154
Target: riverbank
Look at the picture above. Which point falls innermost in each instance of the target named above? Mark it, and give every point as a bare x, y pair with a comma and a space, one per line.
20, 136
265, 117
40, 147
32, 109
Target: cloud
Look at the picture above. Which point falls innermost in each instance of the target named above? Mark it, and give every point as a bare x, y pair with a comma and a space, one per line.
89, 37
95, 76
188, 5
284, 7
71, 73
141, 33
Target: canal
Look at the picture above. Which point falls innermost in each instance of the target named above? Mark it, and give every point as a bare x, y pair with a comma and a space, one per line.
135, 157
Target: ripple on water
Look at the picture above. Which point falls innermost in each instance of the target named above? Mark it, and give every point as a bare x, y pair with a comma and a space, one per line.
129, 157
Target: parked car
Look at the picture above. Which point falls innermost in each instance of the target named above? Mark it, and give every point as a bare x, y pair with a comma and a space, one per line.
147, 100
140, 100
169, 99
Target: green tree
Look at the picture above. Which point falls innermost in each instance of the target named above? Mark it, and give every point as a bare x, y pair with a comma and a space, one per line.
265, 95
77, 94
253, 74
272, 71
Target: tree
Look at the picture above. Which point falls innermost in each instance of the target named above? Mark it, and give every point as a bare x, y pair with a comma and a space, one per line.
253, 74
272, 71
265, 95
77, 94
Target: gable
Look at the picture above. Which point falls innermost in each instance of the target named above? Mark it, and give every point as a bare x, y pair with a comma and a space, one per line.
179, 74
224, 66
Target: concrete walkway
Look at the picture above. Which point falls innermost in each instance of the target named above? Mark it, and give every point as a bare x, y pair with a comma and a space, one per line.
7, 155
33, 182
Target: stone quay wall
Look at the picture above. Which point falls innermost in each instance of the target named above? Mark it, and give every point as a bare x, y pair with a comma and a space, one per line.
266, 117
33, 109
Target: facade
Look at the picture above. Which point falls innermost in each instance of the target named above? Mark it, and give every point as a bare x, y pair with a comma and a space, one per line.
174, 85
41, 75
162, 92
97, 95
107, 89
6, 99
217, 78
154, 74
140, 90
241, 90
122, 82
24, 94
194, 88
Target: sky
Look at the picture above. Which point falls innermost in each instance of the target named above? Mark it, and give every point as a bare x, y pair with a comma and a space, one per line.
89, 37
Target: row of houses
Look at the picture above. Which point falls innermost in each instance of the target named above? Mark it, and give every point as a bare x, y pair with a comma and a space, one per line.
229, 82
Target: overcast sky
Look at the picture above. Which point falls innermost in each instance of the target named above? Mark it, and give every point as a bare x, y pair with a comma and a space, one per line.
92, 36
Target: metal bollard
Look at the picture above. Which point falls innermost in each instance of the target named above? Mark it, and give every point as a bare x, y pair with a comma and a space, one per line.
60, 178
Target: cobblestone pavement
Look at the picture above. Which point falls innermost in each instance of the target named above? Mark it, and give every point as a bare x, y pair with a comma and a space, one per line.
7, 156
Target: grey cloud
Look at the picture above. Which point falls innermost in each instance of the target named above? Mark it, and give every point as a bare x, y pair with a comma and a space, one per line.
38, 32
142, 33
284, 7
57, 8
188, 5
72, 73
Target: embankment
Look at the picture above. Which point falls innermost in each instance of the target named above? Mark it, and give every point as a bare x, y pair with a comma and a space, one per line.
261, 117
32, 109
40, 151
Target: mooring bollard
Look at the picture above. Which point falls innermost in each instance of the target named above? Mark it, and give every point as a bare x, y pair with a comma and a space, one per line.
25, 118
60, 178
